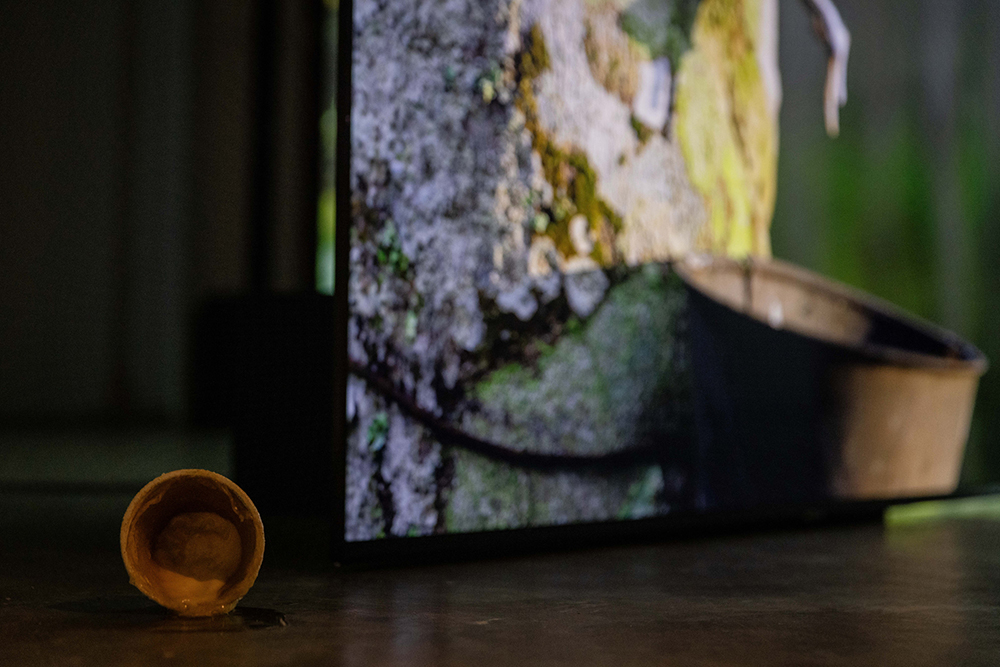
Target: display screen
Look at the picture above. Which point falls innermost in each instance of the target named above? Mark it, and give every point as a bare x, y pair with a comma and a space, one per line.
523, 176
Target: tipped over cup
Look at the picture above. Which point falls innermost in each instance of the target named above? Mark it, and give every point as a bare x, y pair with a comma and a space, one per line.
193, 542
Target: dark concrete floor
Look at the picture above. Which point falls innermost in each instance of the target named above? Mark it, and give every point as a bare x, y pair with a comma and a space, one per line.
924, 593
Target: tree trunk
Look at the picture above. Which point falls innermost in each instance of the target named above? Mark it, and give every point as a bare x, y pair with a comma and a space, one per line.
522, 171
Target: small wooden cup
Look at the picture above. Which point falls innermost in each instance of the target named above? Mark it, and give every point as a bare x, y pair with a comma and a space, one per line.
193, 542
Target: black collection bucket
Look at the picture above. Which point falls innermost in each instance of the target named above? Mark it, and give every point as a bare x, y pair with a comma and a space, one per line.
806, 390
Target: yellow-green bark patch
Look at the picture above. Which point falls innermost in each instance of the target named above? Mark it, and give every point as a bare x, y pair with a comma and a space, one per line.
726, 133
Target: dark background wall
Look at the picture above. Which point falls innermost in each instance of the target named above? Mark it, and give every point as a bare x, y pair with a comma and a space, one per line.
150, 149
63, 110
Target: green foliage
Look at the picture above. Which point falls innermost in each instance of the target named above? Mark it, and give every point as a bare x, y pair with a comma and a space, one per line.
874, 227
489, 82
410, 327
641, 499
882, 227
389, 253
326, 206
328, 133
325, 244
378, 432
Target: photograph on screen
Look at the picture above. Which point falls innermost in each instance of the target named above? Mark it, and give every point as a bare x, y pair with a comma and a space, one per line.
524, 177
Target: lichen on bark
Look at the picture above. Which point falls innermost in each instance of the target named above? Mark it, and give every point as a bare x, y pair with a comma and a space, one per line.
502, 202
568, 175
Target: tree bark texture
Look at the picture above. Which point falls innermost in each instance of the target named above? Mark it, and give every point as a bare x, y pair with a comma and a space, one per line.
522, 172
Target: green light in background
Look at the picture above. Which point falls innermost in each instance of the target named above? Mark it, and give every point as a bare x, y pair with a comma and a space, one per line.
979, 507
325, 255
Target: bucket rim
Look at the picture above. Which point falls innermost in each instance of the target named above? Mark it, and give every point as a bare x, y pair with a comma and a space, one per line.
971, 360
